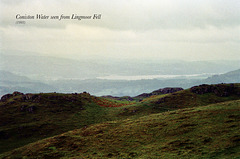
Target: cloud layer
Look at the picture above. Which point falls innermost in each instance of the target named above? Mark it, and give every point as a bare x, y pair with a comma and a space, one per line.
194, 30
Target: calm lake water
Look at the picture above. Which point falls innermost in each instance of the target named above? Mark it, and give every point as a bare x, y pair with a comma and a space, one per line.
139, 77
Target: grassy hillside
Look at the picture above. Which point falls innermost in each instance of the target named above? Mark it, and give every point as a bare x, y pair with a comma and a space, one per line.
196, 96
201, 132
26, 118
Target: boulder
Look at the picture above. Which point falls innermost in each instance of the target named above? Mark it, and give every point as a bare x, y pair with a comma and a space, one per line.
16, 93
6, 97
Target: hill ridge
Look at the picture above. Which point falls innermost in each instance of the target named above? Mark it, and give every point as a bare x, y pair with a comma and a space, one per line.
26, 118
210, 133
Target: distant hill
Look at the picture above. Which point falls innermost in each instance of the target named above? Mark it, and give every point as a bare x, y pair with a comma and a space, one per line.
47, 67
102, 87
229, 77
140, 97
77, 75
10, 82
9, 76
44, 67
132, 88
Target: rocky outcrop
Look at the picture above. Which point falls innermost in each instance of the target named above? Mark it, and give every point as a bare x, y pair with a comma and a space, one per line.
166, 90
31, 97
221, 90
17, 93
6, 97
42, 98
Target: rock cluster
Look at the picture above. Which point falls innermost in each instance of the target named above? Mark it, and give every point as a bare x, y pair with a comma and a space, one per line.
23, 97
7, 96
31, 97
167, 90
219, 89
160, 91
39, 98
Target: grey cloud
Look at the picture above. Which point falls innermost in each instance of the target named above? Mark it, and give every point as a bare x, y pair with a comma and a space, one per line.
177, 16
129, 28
12, 2
135, 15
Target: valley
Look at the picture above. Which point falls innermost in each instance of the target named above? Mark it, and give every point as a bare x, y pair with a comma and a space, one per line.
29, 73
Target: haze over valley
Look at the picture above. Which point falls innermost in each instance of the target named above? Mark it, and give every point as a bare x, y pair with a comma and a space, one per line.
119, 77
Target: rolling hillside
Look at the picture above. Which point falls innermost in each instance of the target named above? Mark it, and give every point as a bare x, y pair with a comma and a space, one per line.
200, 132
27, 118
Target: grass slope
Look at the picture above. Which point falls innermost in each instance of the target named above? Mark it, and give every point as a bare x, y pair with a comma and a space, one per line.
23, 121
28, 118
208, 94
201, 132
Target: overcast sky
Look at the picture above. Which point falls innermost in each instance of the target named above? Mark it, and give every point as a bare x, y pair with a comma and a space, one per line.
146, 29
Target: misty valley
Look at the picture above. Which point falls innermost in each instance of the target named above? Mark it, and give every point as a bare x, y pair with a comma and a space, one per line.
37, 74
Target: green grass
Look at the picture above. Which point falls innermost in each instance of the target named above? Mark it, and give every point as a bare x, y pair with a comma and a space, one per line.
56, 113
201, 132
184, 99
